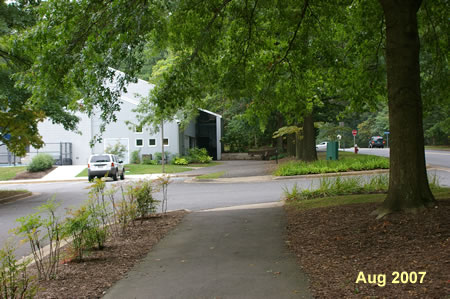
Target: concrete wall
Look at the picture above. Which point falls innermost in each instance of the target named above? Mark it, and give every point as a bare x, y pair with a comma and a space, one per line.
119, 131
53, 133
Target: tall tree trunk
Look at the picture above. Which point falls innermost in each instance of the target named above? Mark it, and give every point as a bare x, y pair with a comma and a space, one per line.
309, 139
408, 182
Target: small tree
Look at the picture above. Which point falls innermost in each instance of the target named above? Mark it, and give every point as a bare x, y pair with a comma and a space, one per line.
117, 149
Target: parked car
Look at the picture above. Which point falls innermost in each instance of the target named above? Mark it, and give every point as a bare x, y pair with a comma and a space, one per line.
105, 165
376, 141
322, 146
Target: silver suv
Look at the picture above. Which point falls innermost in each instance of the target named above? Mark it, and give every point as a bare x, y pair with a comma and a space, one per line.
105, 165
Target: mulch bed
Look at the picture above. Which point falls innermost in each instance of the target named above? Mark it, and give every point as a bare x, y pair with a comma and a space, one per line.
334, 244
26, 175
98, 271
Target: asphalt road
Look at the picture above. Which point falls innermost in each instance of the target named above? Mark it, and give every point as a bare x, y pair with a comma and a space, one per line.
432, 157
192, 196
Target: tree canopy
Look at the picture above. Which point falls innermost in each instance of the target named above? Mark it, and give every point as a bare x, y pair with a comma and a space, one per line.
289, 59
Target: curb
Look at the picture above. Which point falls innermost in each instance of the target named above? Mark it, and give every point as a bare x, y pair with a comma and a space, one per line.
15, 197
13, 182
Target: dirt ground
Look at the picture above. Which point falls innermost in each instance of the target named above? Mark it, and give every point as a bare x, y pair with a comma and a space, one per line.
335, 245
91, 277
24, 175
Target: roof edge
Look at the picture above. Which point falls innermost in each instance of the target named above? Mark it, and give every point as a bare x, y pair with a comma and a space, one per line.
209, 112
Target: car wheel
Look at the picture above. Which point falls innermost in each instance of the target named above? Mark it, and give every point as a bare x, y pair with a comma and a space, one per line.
122, 176
115, 176
382, 146
90, 178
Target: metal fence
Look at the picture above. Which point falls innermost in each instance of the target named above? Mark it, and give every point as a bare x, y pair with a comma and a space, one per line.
8, 158
61, 153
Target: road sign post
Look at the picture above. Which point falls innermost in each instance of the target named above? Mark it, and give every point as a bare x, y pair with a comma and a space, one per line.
387, 138
354, 132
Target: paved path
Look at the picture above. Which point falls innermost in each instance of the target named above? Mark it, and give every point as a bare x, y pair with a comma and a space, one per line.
219, 254
66, 172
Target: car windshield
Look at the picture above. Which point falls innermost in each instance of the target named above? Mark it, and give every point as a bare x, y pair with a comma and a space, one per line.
102, 158
377, 138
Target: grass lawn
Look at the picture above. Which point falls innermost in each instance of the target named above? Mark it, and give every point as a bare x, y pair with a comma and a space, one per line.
347, 162
332, 201
210, 176
7, 173
146, 169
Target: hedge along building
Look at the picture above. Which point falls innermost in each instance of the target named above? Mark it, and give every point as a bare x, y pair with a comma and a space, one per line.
203, 131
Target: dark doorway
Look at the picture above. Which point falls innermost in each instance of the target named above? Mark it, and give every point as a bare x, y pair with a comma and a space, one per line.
207, 133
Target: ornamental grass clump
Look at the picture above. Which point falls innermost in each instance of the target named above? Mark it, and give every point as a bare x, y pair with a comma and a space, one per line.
328, 187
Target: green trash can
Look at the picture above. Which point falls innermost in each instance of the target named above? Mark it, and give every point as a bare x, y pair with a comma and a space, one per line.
332, 150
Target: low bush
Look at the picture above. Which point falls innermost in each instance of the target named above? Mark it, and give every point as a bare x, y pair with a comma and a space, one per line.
180, 161
37, 232
14, 279
158, 156
198, 155
40, 162
135, 157
146, 203
149, 161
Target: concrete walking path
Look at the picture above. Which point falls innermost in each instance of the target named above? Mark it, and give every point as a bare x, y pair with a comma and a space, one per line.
219, 254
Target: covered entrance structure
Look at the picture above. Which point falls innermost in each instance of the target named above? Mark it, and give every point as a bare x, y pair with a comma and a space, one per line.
209, 133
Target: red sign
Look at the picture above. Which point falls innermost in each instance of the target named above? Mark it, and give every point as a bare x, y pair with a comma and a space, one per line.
354, 132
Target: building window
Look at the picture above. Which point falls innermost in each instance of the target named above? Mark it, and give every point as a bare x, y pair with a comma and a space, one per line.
152, 142
138, 129
166, 141
139, 142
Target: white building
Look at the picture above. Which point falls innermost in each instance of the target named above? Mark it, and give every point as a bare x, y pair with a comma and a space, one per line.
72, 148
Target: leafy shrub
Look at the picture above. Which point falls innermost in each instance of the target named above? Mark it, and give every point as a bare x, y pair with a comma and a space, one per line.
180, 161
149, 161
14, 279
85, 227
158, 156
40, 162
135, 157
38, 232
146, 203
77, 226
198, 155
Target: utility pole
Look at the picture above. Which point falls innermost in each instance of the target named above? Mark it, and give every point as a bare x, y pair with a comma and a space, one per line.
163, 157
